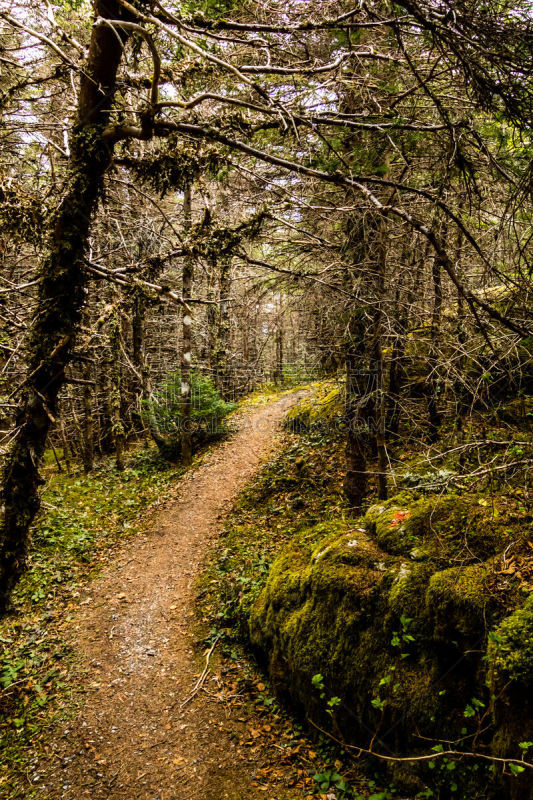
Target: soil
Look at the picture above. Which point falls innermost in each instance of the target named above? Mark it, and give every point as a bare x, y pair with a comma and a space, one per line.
137, 735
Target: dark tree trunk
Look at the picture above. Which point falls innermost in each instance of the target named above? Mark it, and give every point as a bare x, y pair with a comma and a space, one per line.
88, 423
397, 373
358, 377
396, 381
211, 318
61, 297
145, 396
137, 358
186, 342
434, 414
113, 391
88, 409
460, 390
379, 404
278, 371
356, 479
359, 411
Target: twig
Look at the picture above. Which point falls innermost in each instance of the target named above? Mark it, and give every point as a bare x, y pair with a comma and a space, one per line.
425, 757
203, 676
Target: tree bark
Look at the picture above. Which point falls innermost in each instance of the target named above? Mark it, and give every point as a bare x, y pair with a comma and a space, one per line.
88, 423
223, 331
356, 479
61, 296
186, 342
113, 393
278, 372
434, 415
359, 380
211, 317
379, 404
397, 372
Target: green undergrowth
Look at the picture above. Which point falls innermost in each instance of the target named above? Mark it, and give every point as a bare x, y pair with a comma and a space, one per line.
83, 518
323, 406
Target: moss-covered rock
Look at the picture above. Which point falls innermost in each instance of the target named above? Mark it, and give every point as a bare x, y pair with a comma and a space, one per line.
517, 411
400, 636
336, 609
407, 594
314, 607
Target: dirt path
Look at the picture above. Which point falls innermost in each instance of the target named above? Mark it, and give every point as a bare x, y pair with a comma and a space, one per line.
134, 739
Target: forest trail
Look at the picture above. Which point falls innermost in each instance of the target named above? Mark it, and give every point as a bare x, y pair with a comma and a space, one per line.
136, 737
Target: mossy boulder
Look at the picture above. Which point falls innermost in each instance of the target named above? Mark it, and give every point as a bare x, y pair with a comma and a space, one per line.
400, 637
517, 411
460, 601
335, 609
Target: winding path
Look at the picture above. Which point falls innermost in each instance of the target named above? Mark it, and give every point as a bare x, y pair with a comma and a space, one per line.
135, 737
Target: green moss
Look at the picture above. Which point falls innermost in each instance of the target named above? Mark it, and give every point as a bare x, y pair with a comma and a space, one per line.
403, 525
315, 606
511, 649
408, 589
459, 600
437, 526
340, 591
324, 403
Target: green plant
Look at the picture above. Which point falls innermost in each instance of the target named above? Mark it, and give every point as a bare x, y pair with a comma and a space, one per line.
208, 410
330, 779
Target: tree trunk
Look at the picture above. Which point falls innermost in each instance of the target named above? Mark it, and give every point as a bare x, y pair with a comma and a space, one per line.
379, 404
64, 443
88, 410
145, 399
460, 382
434, 415
211, 318
61, 296
397, 372
186, 342
278, 372
356, 480
221, 355
88, 423
359, 380
137, 359
113, 393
